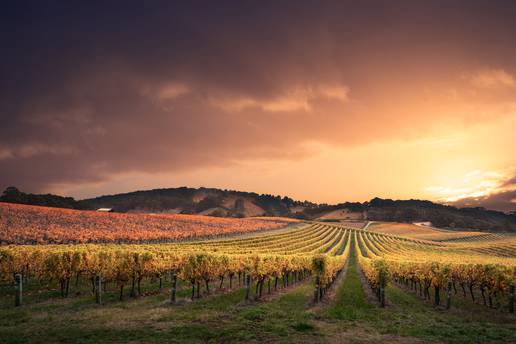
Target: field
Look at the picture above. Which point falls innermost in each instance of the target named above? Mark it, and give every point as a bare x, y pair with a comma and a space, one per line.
22, 224
421, 232
309, 282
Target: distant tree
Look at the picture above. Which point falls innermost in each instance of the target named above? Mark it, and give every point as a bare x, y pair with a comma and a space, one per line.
11, 191
13, 195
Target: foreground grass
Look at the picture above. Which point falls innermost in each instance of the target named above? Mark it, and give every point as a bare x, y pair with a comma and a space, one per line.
150, 319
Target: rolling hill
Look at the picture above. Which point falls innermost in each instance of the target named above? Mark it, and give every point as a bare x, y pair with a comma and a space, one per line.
229, 203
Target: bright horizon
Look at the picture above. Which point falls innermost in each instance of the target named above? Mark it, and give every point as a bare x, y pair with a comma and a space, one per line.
345, 103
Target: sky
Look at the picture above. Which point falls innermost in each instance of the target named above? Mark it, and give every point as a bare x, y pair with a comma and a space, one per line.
328, 101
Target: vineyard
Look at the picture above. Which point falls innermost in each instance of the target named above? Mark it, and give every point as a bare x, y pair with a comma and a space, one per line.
317, 260
23, 224
289, 256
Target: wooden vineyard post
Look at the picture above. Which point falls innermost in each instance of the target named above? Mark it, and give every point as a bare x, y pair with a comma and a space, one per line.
193, 290
448, 295
317, 287
382, 290
437, 296
98, 289
174, 289
259, 296
511, 298
248, 286
18, 288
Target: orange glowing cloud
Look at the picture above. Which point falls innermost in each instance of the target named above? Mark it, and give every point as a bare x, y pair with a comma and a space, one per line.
491, 78
293, 99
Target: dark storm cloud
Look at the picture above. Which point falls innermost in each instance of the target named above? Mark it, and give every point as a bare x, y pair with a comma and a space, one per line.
88, 90
510, 183
504, 199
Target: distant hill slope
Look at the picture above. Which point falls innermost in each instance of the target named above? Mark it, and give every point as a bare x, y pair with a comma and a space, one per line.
440, 215
207, 201
228, 203
27, 224
343, 214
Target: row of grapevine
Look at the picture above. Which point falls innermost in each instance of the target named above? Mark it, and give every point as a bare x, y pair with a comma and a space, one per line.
375, 270
422, 267
327, 267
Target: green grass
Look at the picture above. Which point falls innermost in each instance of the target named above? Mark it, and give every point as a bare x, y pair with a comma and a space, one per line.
149, 319
350, 303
